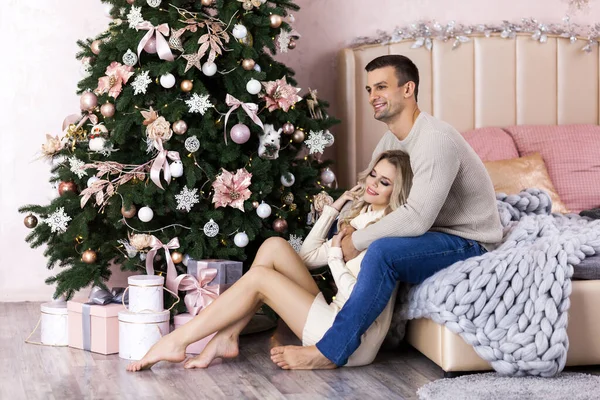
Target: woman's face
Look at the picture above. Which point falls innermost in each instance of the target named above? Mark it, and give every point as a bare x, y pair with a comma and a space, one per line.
379, 184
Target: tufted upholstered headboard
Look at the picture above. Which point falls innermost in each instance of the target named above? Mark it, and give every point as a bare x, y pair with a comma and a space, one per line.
485, 82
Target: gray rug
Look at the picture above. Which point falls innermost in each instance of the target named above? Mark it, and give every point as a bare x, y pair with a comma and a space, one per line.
491, 386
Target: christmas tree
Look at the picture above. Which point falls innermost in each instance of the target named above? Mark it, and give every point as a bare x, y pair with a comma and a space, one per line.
191, 138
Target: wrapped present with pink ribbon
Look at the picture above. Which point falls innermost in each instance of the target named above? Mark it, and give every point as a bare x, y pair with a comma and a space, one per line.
228, 272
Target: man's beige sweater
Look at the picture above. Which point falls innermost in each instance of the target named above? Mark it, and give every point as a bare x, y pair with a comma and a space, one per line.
451, 191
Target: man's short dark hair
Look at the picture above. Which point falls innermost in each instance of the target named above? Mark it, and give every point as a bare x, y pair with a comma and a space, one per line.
406, 70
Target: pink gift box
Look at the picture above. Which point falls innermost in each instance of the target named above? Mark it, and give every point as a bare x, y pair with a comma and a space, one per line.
103, 326
196, 347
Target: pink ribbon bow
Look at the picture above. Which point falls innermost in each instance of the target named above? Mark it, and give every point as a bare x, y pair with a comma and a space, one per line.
160, 163
162, 46
73, 118
198, 294
250, 108
156, 246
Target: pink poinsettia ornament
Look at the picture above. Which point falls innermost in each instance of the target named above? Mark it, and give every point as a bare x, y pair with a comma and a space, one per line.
280, 94
116, 75
232, 190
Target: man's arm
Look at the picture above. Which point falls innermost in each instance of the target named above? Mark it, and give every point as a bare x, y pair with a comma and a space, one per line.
435, 170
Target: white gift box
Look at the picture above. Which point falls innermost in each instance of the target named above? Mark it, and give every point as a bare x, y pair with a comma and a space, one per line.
54, 324
146, 293
140, 331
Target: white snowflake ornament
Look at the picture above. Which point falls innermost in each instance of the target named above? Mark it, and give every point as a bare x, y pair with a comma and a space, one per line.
135, 17
295, 242
283, 41
192, 144
199, 104
141, 82
58, 220
316, 142
130, 58
77, 167
187, 198
211, 229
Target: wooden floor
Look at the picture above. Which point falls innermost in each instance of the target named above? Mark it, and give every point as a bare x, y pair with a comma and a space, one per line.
39, 372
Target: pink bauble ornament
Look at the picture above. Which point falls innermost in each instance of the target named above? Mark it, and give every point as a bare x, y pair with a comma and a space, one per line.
130, 1
180, 127
288, 128
280, 225
95, 46
327, 176
150, 46
298, 136
107, 110
88, 101
240, 133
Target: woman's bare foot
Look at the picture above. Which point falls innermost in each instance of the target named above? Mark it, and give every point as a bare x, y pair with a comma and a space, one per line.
168, 348
299, 357
220, 346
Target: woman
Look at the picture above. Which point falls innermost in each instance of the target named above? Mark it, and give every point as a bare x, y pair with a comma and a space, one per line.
279, 278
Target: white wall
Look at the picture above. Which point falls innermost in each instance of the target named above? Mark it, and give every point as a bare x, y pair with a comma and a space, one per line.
39, 75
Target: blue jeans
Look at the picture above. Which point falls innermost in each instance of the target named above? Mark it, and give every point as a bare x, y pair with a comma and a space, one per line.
388, 260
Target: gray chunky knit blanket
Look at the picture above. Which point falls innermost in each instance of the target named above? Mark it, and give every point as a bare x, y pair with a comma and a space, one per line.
511, 303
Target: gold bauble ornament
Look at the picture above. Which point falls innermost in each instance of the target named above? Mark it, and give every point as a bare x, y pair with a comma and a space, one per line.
186, 85
30, 221
275, 20
287, 198
248, 40
255, 204
248, 64
293, 207
292, 44
129, 213
206, 3
280, 225
298, 136
177, 257
89, 256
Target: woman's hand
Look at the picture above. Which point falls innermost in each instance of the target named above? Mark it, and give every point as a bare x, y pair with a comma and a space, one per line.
348, 195
337, 238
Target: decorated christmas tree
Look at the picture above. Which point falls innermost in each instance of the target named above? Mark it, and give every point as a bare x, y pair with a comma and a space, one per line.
191, 139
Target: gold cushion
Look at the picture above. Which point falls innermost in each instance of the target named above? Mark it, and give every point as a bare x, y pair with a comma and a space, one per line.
512, 176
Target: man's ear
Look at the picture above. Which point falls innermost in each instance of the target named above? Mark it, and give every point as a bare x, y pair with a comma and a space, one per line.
409, 89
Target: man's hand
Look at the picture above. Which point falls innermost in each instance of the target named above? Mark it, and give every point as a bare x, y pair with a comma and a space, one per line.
348, 248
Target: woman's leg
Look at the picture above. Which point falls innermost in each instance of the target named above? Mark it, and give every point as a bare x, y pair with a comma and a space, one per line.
259, 285
277, 254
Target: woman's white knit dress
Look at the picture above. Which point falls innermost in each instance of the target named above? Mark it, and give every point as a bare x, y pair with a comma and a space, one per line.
316, 252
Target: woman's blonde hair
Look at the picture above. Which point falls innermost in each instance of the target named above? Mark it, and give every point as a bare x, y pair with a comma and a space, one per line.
400, 191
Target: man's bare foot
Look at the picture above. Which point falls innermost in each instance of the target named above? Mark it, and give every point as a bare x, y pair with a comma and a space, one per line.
167, 349
220, 346
299, 357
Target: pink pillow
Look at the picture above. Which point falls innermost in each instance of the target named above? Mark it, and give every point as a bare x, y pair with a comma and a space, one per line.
491, 144
572, 156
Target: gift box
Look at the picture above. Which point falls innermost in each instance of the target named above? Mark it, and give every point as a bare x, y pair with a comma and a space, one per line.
54, 324
196, 347
146, 293
140, 331
94, 327
228, 272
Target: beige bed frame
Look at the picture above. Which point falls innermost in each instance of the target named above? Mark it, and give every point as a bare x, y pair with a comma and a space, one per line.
485, 82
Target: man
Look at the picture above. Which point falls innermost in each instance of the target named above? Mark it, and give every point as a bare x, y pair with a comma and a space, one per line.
450, 214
